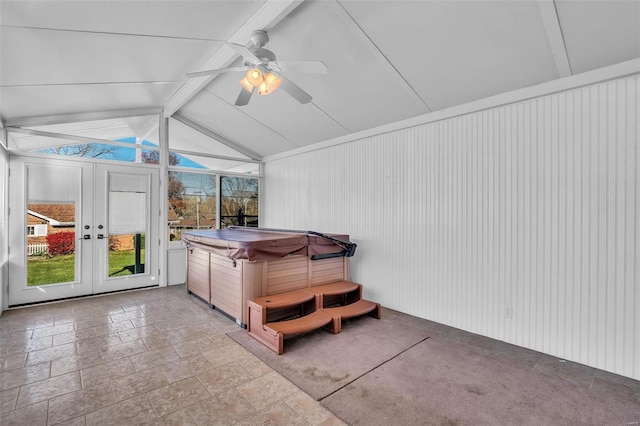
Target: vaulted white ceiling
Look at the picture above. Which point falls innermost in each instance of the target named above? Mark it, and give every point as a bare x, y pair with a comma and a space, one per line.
387, 60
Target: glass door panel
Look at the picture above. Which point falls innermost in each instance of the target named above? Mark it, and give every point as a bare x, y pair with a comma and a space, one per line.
51, 248
126, 254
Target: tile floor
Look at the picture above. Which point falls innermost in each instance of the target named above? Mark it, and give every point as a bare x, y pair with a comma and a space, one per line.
157, 356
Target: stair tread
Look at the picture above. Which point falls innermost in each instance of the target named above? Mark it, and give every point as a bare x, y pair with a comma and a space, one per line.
308, 322
332, 289
354, 309
284, 300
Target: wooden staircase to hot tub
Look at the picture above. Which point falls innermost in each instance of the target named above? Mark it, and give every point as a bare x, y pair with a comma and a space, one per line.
272, 318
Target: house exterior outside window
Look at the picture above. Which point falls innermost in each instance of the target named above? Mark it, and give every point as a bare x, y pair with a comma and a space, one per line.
37, 230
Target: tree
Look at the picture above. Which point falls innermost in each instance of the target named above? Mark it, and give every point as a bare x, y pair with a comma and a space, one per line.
176, 189
153, 157
91, 150
239, 198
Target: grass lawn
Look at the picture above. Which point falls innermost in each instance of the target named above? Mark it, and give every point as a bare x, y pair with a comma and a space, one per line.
47, 270
61, 269
123, 262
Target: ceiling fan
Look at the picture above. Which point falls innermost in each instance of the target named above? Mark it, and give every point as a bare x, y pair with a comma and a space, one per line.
264, 73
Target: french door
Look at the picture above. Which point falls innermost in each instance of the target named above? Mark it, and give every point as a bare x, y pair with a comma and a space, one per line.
79, 228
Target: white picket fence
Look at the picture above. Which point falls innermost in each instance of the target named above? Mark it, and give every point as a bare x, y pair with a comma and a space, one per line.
36, 248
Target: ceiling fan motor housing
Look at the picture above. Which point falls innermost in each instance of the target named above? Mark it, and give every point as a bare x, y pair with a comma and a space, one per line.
265, 55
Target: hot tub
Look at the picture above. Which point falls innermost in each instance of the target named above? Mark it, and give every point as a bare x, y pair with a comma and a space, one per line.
227, 267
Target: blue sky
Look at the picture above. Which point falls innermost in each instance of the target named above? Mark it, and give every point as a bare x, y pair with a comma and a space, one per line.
129, 154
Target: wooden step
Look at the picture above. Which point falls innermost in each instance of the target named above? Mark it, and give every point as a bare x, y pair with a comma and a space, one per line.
303, 324
283, 300
337, 293
332, 289
355, 309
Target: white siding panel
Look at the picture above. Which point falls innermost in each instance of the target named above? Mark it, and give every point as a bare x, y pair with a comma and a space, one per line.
520, 222
4, 175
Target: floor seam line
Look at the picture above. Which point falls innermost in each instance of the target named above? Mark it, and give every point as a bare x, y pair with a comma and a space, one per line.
373, 368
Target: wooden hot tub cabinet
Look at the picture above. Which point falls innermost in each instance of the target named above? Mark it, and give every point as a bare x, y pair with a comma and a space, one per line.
228, 267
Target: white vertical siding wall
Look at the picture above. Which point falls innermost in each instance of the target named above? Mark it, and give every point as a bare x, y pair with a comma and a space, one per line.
521, 222
4, 258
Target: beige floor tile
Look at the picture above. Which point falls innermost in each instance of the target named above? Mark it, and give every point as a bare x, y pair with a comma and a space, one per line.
51, 331
49, 388
73, 336
148, 319
79, 403
177, 396
72, 317
226, 353
173, 324
12, 362
254, 365
132, 412
33, 415
98, 343
7, 338
224, 377
333, 421
92, 322
138, 383
197, 346
78, 421
49, 354
101, 373
163, 339
28, 322
267, 390
178, 314
179, 418
8, 400
27, 346
279, 414
113, 327
154, 358
76, 362
203, 330
186, 367
126, 315
25, 375
137, 333
131, 348
223, 408
308, 408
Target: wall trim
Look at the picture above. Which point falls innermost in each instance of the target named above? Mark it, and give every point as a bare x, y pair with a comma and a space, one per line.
600, 75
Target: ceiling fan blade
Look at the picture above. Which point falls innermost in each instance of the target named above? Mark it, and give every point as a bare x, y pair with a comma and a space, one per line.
244, 52
218, 71
307, 67
297, 93
244, 97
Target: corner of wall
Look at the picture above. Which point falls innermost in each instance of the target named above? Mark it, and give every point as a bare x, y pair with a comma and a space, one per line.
4, 240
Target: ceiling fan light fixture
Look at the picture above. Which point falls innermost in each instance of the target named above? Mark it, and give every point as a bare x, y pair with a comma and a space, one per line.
246, 85
263, 88
254, 76
273, 81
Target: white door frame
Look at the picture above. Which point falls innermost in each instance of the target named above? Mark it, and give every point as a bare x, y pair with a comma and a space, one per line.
102, 283
90, 277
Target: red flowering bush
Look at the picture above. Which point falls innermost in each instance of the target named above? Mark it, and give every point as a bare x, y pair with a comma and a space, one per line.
61, 243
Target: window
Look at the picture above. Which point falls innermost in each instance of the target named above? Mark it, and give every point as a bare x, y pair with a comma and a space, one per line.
36, 230
239, 201
192, 202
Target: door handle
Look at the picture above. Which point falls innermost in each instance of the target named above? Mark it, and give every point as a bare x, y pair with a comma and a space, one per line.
100, 236
86, 237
